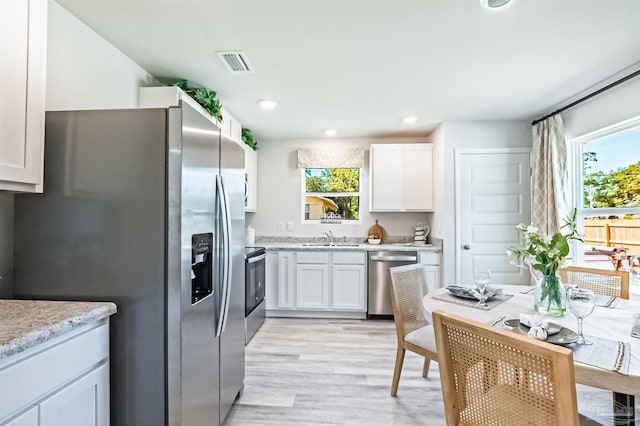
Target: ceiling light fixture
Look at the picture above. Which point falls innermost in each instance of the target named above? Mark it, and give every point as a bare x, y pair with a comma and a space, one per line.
329, 132
410, 119
494, 4
267, 104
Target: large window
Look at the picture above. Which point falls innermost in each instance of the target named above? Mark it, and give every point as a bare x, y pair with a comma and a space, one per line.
608, 193
331, 195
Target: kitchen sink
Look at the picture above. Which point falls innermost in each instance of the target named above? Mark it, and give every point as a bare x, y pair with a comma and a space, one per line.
329, 245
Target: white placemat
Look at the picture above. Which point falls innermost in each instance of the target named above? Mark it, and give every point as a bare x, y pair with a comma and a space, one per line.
606, 301
635, 331
492, 303
608, 354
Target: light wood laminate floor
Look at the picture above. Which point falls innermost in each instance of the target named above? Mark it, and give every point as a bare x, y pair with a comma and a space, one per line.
338, 372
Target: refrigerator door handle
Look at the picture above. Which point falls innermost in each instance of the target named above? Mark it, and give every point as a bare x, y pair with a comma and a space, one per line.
226, 253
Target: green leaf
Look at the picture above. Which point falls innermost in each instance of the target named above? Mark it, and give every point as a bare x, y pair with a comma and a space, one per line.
247, 138
205, 97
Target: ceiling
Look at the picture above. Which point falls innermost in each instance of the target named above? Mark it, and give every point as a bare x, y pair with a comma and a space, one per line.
359, 66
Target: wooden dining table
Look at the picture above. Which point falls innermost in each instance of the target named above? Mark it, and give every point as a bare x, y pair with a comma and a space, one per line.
613, 323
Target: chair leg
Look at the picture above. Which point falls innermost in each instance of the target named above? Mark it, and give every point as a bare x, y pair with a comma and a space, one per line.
425, 367
397, 370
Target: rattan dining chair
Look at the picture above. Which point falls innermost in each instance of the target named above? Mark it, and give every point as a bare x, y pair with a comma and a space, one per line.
408, 287
495, 377
600, 281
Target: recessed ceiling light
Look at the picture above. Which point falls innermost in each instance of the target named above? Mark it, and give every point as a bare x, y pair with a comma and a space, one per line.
494, 4
267, 104
329, 132
410, 119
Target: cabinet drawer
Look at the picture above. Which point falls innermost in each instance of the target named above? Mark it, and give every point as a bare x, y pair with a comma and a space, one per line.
429, 258
62, 362
349, 258
313, 257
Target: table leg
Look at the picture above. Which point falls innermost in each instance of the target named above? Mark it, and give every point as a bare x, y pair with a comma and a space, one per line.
624, 409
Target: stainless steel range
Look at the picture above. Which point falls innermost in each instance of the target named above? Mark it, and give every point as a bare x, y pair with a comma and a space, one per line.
255, 305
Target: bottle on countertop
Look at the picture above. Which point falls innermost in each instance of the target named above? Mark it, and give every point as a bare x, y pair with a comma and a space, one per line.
250, 236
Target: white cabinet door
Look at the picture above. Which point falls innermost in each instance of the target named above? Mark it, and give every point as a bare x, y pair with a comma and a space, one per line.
251, 179
23, 41
84, 402
312, 286
385, 178
348, 287
30, 418
236, 130
433, 277
271, 280
286, 280
418, 177
431, 262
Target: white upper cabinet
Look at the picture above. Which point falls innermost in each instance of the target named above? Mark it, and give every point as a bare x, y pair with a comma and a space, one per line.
251, 179
401, 177
23, 53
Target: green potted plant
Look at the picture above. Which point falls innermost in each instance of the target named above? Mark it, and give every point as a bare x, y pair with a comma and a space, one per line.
543, 255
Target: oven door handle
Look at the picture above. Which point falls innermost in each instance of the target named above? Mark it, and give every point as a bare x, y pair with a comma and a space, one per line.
256, 258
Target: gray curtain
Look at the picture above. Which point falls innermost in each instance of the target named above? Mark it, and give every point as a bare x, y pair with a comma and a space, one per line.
550, 180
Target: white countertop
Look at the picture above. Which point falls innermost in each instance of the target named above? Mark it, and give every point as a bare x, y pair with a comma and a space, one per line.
26, 323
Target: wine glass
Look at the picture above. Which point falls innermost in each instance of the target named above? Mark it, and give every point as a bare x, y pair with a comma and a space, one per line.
481, 280
581, 303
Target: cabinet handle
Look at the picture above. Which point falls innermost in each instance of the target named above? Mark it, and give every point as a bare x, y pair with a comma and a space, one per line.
395, 258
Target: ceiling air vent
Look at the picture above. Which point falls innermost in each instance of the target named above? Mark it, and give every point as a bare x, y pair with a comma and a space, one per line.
236, 62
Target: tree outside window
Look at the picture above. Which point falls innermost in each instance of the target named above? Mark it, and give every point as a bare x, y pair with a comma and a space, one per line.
608, 184
332, 194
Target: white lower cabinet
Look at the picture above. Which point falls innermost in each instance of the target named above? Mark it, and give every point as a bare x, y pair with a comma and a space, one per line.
312, 286
286, 280
318, 284
349, 287
30, 418
431, 263
82, 403
61, 382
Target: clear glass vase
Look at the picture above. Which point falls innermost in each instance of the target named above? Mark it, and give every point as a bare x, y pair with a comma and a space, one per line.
549, 294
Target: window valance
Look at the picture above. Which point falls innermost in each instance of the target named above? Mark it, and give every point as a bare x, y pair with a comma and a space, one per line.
331, 158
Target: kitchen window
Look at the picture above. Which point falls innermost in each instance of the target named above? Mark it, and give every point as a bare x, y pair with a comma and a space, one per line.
607, 184
330, 177
331, 195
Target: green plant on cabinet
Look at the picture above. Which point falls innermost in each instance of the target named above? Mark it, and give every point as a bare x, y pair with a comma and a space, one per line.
205, 97
247, 137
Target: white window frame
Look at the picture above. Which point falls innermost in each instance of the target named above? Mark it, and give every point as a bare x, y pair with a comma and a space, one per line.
304, 193
575, 146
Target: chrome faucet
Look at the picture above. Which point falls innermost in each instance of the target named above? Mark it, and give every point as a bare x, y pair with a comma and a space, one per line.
329, 235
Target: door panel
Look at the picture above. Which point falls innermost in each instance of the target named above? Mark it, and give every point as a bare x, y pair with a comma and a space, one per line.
494, 190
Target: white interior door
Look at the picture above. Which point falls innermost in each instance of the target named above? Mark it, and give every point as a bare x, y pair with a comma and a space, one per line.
493, 195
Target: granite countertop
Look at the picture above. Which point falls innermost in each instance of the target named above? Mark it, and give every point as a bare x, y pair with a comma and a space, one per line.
278, 246
26, 323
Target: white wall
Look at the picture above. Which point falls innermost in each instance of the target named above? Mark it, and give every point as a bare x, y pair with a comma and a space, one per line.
465, 135
84, 71
611, 107
280, 186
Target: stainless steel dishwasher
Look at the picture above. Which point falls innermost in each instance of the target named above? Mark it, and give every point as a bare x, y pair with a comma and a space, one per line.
379, 281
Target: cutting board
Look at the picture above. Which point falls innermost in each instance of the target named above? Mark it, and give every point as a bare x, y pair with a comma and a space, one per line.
379, 231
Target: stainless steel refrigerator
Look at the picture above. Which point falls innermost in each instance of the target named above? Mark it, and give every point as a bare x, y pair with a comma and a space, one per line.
145, 207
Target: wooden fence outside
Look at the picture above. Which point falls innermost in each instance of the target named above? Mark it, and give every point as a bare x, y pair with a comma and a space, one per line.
613, 233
